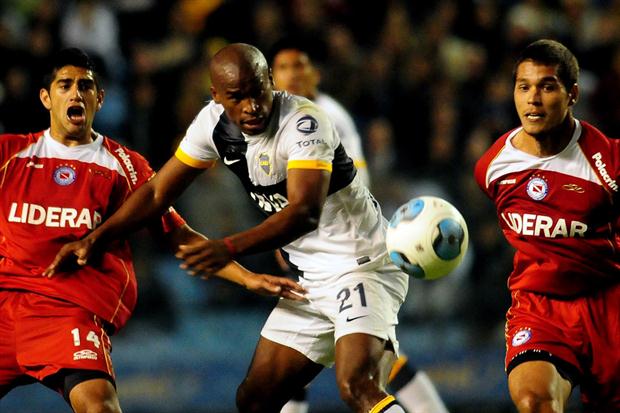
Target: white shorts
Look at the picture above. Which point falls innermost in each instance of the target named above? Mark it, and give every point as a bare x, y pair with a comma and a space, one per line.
358, 302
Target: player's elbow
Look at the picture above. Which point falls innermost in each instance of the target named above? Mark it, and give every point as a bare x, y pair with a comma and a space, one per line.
307, 218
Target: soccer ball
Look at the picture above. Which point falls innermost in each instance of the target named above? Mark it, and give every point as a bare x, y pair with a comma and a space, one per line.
427, 237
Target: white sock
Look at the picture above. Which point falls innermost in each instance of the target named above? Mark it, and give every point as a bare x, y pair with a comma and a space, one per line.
295, 406
420, 396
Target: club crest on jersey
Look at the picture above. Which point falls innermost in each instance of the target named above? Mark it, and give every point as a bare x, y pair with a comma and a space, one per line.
537, 188
264, 162
307, 124
64, 175
521, 337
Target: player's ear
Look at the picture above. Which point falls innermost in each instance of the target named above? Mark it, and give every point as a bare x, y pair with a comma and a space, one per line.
316, 76
44, 95
100, 98
214, 95
573, 95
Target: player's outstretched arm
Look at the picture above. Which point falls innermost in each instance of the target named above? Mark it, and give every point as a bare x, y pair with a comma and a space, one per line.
147, 203
263, 284
306, 190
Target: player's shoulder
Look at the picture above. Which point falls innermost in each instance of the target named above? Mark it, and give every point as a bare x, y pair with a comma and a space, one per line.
12, 143
211, 110
337, 112
492, 152
591, 135
133, 163
329, 103
299, 110
208, 118
602, 152
21, 138
324, 100
120, 150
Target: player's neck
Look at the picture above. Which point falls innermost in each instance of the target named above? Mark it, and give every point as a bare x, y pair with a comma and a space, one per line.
73, 140
546, 144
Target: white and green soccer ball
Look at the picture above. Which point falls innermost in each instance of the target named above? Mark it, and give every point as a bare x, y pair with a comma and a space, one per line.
427, 237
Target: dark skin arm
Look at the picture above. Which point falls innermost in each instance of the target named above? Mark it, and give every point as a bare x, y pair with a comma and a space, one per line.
263, 284
143, 207
146, 206
306, 188
307, 191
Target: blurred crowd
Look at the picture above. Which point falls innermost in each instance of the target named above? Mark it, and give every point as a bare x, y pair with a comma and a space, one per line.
428, 83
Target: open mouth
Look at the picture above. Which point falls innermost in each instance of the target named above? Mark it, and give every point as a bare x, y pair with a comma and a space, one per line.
76, 114
534, 115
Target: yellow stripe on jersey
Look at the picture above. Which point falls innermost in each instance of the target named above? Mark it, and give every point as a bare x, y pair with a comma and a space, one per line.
194, 163
310, 164
359, 163
379, 406
398, 365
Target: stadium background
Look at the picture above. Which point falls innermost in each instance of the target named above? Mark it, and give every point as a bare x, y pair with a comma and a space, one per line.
429, 85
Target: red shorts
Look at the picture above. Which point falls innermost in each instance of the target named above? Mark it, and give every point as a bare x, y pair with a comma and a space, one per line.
40, 335
580, 336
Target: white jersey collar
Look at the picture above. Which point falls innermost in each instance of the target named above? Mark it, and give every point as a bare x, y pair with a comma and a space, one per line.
95, 144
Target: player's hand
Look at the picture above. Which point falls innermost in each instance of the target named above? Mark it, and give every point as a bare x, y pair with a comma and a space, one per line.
265, 284
80, 250
203, 256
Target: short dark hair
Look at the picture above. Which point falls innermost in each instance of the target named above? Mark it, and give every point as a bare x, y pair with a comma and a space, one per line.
552, 53
71, 56
313, 48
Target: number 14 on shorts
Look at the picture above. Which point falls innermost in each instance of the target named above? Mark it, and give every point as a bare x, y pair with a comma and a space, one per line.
90, 336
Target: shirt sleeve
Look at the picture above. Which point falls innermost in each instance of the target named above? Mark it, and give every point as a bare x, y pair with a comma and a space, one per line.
197, 148
310, 140
170, 220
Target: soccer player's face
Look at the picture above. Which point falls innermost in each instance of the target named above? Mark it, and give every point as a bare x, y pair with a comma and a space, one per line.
247, 98
541, 100
293, 72
73, 99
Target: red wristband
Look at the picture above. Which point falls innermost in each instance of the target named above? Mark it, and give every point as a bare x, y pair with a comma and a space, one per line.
230, 246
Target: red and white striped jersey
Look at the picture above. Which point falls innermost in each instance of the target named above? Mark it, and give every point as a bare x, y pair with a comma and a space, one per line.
559, 212
53, 194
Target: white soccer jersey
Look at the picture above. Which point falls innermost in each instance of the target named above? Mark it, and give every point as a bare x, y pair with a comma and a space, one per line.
347, 132
351, 231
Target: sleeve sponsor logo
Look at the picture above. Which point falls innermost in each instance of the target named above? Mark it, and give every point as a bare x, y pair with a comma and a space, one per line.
307, 124
309, 142
601, 166
53, 217
133, 175
543, 226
